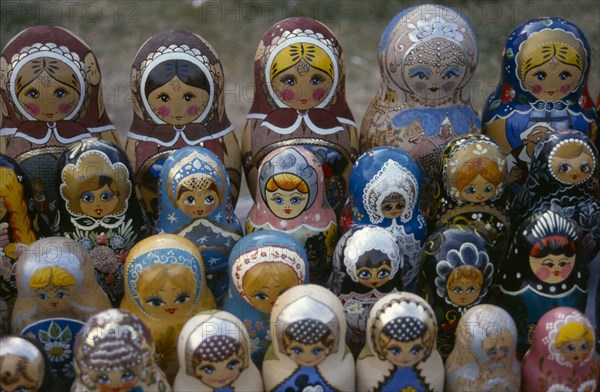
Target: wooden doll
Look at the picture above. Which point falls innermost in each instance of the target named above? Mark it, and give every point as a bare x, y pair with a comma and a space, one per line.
177, 83
194, 202
98, 208
290, 197
262, 265
457, 273
115, 352
367, 265
50, 83
542, 271
484, 357
165, 285
543, 87
299, 99
214, 355
308, 352
561, 357
400, 354
384, 191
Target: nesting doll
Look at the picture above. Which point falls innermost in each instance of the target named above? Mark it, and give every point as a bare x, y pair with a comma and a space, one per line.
400, 353
384, 191
262, 265
561, 357
290, 197
177, 83
367, 265
543, 87
98, 208
165, 285
542, 271
308, 352
299, 99
214, 355
115, 352
194, 194
484, 357
52, 96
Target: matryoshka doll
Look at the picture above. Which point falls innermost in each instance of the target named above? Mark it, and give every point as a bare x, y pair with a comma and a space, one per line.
177, 82
384, 190
115, 352
308, 352
290, 197
457, 274
214, 355
262, 265
165, 285
194, 202
400, 354
367, 265
299, 99
561, 357
51, 89
484, 356
543, 87
98, 208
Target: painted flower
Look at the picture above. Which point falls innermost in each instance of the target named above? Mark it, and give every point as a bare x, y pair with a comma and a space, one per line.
559, 388
86, 243
104, 259
117, 242
508, 93
68, 370
588, 386
356, 308
102, 239
57, 351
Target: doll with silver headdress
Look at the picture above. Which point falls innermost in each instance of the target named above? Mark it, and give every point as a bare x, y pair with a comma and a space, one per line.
367, 265
195, 203
214, 355
290, 197
400, 353
484, 356
309, 346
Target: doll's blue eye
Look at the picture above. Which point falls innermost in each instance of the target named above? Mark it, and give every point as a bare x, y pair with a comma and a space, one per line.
189, 96
295, 200
316, 351
584, 347
585, 168
233, 364
504, 349
190, 200
32, 93
106, 196
209, 200
416, 350
43, 296
289, 80
487, 189
261, 296
470, 190
364, 274
420, 72
127, 376
570, 348
564, 167
208, 369
470, 289
316, 79
87, 197
383, 274
182, 298
492, 351
395, 350
540, 75
60, 93
278, 200
457, 290
451, 72
564, 75
155, 301
103, 379
297, 350
61, 294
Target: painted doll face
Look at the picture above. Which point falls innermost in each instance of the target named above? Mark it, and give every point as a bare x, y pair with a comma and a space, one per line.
302, 90
478, 190
572, 163
376, 276
464, 290
18, 374
98, 203
497, 346
552, 269
263, 298
198, 203
286, 204
575, 350
177, 103
52, 297
552, 80
121, 380
47, 99
170, 300
307, 354
533, 138
220, 374
393, 206
404, 354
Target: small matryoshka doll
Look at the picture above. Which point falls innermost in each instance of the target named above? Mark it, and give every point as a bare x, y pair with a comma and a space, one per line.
290, 197
115, 352
165, 285
400, 354
300, 99
561, 357
542, 271
98, 208
367, 264
384, 190
457, 274
309, 346
262, 265
177, 82
214, 355
484, 356
51, 89
545, 64
194, 203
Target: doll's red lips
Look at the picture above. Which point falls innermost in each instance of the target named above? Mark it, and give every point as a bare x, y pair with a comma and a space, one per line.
434, 89
49, 115
287, 210
304, 101
98, 211
54, 304
556, 273
170, 310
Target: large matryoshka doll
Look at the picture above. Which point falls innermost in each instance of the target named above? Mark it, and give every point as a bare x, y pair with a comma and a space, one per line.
457, 274
98, 208
427, 55
50, 84
309, 346
542, 271
484, 356
564, 177
543, 87
115, 352
400, 354
177, 82
290, 197
367, 265
262, 265
194, 197
300, 99
165, 285
561, 357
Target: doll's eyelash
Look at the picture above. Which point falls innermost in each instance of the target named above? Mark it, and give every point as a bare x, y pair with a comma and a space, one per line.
189, 94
